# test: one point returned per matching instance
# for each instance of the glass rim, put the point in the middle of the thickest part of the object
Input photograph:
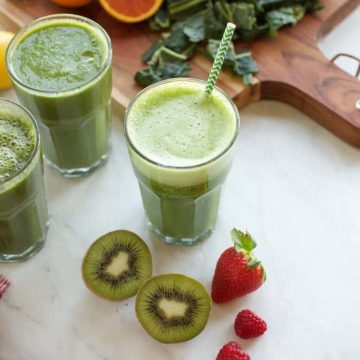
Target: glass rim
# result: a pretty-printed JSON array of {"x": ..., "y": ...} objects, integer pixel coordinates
[
  {"x": 187, "y": 167},
  {"x": 64, "y": 16},
  {"x": 37, "y": 144}
]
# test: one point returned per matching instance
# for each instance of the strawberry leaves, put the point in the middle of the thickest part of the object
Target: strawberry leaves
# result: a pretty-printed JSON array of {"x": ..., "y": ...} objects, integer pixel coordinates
[{"x": 243, "y": 241}]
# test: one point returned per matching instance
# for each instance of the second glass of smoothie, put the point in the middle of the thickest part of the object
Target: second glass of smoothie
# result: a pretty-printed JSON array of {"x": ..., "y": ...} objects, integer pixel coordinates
[
  {"x": 180, "y": 142},
  {"x": 61, "y": 69}
]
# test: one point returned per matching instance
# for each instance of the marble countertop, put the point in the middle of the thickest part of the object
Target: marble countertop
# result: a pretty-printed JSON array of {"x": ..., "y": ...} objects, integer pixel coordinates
[{"x": 293, "y": 185}]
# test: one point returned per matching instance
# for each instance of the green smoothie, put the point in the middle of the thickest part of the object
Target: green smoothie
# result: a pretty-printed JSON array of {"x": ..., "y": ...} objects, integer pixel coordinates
[
  {"x": 23, "y": 211},
  {"x": 61, "y": 68},
  {"x": 180, "y": 142}
]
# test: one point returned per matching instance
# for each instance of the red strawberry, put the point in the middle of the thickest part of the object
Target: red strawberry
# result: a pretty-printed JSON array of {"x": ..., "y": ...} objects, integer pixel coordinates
[
  {"x": 237, "y": 271},
  {"x": 249, "y": 325},
  {"x": 232, "y": 351}
]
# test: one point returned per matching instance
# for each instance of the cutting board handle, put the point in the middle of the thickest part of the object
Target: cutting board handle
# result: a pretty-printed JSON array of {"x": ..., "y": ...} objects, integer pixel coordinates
[{"x": 321, "y": 90}]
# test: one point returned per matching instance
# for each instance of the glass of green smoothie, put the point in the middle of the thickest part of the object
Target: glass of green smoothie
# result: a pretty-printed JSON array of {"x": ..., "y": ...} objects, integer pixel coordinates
[
  {"x": 181, "y": 141},
  {"x": 23, "y": 212},
  {"x": 61, "y": 68}
]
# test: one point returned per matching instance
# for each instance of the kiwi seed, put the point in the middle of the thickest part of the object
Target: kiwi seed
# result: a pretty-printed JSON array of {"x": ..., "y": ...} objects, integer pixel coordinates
[
  {"x": 116, "y": 265},
  {"x": 173, "y": 308}
]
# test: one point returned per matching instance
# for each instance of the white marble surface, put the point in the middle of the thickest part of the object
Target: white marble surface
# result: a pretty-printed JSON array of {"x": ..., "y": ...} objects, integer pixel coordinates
[{"x": 293, "y": 185}]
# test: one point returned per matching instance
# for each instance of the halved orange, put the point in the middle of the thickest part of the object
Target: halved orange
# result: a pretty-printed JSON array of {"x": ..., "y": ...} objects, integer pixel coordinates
[
  {"x": 131, "y": 11},
  {"x": 72, "y": 3}
]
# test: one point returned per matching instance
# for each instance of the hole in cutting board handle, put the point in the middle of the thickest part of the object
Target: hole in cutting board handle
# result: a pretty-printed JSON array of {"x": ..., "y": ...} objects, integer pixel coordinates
[{"x": 348, "y": 56}]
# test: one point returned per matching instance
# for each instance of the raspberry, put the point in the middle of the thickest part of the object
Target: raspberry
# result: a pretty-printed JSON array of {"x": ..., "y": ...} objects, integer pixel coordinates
[
  {"x": 232, "y": 351},
  {"x": 249, "y": 325}
]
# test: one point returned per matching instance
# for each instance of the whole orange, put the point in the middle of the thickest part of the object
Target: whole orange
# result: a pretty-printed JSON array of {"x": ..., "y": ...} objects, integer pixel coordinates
[{"x": 72, "y": 3}]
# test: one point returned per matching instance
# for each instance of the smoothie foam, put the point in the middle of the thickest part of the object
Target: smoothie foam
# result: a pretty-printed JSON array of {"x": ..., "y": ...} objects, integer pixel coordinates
[
  {"x": 179, "y": 125},
  {"x": 58, "y": 56},
  {"x": 17, "y": 144}
]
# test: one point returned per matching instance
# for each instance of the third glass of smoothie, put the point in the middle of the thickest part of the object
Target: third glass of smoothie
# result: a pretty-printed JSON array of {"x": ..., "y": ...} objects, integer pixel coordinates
[
  {"x": 180, "y": 142},
  {"x": 61, "y": 69},
  {"x": 23, "y": 212}
]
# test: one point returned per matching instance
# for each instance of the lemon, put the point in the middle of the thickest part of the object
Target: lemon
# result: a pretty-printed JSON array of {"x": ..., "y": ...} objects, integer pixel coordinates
[{"x": 5, "y": 38}]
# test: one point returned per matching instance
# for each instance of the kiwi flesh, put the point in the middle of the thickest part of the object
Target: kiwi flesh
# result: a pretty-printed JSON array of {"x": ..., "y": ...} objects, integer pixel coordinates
[
  {"x": 116, "y": 265},
  {"x": 173, "y": 308}
]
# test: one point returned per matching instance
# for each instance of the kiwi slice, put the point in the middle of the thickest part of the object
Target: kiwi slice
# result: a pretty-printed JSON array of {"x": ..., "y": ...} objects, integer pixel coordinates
[
  {"x": 116, "y": 265},
  {"x": 172, "y": 308}
]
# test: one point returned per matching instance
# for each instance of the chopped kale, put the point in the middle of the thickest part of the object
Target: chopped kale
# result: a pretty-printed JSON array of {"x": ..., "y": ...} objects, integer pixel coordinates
[{"x": 187, "y": 25}]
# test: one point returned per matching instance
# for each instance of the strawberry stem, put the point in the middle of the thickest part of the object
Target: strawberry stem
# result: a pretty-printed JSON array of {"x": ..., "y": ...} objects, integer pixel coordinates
[{"x": 244, "y": 243}]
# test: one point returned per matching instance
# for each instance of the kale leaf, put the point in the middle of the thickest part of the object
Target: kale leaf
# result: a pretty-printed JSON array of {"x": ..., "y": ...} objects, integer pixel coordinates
[
  {"x": 164, "y": 64},
  {"x": 194, "y": 27},
  {"x": 241, "y": 64},
  {"x": 283, "y": 16}
]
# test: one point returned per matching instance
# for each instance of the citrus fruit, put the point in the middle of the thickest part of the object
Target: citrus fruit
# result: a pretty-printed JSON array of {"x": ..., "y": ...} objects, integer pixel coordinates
[
  {"x": 5, "y": 38},
  {"x": 131, "y": 11},
  {"x": 72, "y": 3}
]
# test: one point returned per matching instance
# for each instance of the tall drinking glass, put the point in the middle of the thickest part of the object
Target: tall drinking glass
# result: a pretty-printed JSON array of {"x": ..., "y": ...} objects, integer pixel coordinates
[
  {"x": 181, "y": 142},
  {"x": 60, "y": 66},
  {"x": 23, "y": 212}
]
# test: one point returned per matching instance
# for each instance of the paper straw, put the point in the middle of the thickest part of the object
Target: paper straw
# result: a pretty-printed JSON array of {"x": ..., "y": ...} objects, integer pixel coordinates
[{"x": 219, "y": 58}]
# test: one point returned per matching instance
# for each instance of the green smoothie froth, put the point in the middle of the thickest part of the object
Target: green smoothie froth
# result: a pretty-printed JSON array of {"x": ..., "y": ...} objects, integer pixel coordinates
[
  {"x": 58, "y": 57},
  {"x": 17, "y": 144},
  {"x": 177, "y": 124}
]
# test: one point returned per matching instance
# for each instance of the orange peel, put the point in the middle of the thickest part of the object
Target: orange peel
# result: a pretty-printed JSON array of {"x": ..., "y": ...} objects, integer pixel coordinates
[
  {"x": 131, "y": 11},
  {"x": 72, "y": 3}
]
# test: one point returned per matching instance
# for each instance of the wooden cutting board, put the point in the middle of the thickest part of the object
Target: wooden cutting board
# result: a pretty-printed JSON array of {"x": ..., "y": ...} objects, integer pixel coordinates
[{"x": 292, "y": 68}]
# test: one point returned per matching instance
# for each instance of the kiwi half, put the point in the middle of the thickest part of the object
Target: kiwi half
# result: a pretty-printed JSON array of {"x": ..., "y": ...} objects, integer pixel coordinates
[
  {"x": 116, "y": 265},
  {"x": 172, "y": 308}
]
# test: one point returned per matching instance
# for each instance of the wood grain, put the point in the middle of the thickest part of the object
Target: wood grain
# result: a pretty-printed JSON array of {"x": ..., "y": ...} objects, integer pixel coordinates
[{"x": 292, "y": 68}]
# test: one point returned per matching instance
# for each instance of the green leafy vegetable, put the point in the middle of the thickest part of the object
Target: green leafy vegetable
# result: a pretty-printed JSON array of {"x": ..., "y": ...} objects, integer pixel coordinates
[
  {"x": 164, "y": 64},
  {"x": 194, "y": 28},
  {"x": 149, "y": 53},
  {"x": 181, "y": 9},
  {"x": 241, "y": 64},
  {"x": 160, "y": 21},
  {"x": 187, "y": 25},
  {"x": 283, "y": 16},
  {"x": 214, "y": 28}
]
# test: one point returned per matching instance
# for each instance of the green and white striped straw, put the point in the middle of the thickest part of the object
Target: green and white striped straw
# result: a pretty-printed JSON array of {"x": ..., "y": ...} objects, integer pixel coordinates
[{"x": 219, "y": 58}]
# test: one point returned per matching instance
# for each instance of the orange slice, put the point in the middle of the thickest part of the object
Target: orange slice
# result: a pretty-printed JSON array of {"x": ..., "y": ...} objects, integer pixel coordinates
[
  {"x": 72, "y": 3},
  {"x": 131, "y": 11}
]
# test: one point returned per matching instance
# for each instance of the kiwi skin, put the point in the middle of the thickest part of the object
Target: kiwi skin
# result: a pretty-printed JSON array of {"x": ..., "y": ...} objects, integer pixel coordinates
[
  {"x": 179, "y": 277},
  {"x": 146, "y": 253}
]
